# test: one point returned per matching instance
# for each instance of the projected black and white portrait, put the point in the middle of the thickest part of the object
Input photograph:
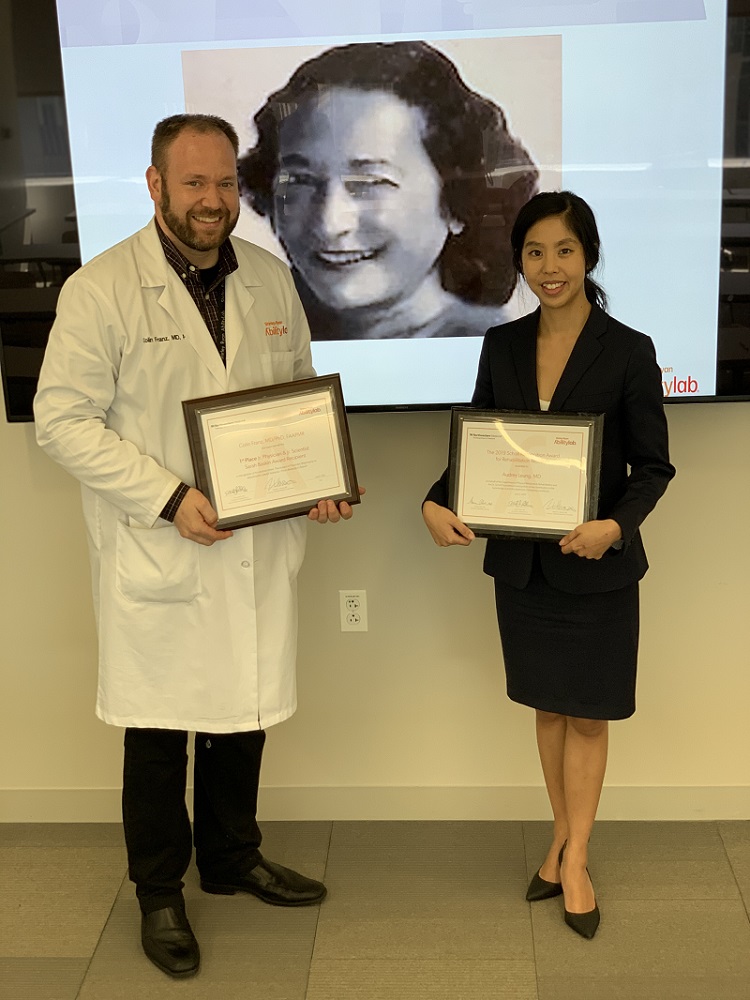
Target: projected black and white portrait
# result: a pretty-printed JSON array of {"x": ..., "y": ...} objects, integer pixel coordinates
[
  {"x": 392, "y": 187},
  {"x": 390, "y": 183}
]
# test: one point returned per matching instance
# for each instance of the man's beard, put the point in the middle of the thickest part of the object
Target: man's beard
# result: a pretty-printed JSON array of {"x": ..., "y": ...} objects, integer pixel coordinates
[{"x": 182, "y": 227}]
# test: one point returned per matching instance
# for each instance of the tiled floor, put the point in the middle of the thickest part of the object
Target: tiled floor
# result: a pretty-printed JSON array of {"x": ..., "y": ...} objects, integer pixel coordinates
[{"x": 416, "y": 911}]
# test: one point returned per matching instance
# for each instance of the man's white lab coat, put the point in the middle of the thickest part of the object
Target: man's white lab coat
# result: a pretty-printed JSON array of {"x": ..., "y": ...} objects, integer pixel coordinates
[{"x": 190, "y": 637}]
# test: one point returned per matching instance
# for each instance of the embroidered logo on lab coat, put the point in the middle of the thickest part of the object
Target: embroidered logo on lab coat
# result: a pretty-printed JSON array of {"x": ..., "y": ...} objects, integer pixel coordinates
[{"x": 275, "y": 328}]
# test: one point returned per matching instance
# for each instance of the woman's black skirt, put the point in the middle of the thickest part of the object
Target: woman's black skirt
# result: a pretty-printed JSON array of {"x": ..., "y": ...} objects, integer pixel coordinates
[{"x": 575, "y": 654}]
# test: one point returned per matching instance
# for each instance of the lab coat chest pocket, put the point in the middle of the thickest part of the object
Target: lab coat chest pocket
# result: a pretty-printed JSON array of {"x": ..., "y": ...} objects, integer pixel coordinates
[
  {"x": 276, "y": 366},
  {"x": 156, "y": 565}
]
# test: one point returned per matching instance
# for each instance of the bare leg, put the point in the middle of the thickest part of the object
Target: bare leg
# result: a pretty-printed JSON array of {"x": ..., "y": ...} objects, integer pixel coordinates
[
  {"x": 584, "y": 764},
  {"x": 550, "y": 738}
]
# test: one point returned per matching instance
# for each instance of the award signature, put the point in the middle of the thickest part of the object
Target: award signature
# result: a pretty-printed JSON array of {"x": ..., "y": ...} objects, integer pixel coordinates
[
  {"x": 277, "y": 483},
  {"x": 481, "y": 503},
  {"x": 557, "y": 508},
  {"x": 521, "y": 504}
]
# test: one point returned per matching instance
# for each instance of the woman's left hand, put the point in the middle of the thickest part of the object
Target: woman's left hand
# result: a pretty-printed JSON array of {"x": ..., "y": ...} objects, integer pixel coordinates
[{"x": 591, "y": 539}]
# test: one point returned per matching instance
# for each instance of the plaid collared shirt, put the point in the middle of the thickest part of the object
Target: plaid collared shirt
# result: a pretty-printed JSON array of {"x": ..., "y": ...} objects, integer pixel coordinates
[{"x": 210, "y": 303}]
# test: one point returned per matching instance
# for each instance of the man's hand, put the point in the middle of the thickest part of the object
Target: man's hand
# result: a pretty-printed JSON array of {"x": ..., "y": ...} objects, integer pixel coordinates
[
  {"x": 195, "y": 519},
  {"x": 445, "y": 527},
  {"x": 591, "y": 539},
  {"x": 329, "y": 510}
]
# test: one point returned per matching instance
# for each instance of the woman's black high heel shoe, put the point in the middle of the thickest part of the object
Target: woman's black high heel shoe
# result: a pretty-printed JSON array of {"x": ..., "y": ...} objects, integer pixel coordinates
[
  {"x": 585, "y": 924},
  {"x": 540, "y": 888}
]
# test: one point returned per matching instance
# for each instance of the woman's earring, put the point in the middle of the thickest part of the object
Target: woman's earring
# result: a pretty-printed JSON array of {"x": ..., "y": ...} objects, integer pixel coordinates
[{"x": 455, "y": 228}]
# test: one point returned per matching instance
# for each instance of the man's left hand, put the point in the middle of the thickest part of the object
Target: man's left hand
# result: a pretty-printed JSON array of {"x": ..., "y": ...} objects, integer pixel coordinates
[
  {"x": 591, "y": 539},
  {"x": 329, "y": 510}
]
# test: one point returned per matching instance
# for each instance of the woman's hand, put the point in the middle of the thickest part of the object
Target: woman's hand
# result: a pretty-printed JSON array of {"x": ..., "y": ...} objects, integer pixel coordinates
[
  {"x": 591, "y": 539},
  {"x": 445, "y": 527}
]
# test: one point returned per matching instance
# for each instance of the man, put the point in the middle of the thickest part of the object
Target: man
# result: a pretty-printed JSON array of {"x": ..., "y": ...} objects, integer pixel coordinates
[{"x": 197, "y": 626}]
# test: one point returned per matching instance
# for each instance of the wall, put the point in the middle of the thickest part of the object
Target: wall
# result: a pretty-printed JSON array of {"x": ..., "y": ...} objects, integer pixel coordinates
[{"x": 408, "y": 720}]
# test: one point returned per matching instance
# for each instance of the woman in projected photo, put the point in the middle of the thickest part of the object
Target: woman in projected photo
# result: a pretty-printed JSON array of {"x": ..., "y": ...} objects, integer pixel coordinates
[
  {"x": 568, "y": 611},
  {"x": 393, "y": 188}
]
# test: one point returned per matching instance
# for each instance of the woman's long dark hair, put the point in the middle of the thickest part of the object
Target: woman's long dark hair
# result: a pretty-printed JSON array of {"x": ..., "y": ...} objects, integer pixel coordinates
[
  {"x": 579, "y": 218},
  {"x": 487, "y": 174}
]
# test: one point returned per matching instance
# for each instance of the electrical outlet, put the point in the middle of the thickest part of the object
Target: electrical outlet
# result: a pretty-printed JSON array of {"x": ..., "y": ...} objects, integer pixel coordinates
[{"x": 353, "y": 610}]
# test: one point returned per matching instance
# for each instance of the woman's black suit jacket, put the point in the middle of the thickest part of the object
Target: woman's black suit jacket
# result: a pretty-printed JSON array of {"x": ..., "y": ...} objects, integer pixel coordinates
[{"x": 611, "y": 370}]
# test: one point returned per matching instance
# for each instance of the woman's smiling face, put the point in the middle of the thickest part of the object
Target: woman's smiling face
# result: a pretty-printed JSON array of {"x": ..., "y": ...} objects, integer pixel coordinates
[
  {"x": 554, "y": 263},
  {"x": 358, "y": 200}
]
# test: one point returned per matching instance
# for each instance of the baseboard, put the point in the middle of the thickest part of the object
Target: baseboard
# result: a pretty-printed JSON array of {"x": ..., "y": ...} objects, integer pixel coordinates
[
  {"x": 102, "y": 805},
  {"x": 509, "y": 802}
]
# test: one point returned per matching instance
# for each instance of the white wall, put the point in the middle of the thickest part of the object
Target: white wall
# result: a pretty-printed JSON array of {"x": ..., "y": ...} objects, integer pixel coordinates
[{"x": 410, "y": 719}]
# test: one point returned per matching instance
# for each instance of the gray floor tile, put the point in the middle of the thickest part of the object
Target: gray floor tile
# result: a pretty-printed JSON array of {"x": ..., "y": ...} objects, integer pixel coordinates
[
  {"x": 741, "y": 871},
  {"x": 247, "y": 949},
  {"x": 654, "y": 940},
  {"x": 651, "y": 860},
  {"x": 461, "y": 934},
  {"x": 415, "y": 980},
  {"x": 688, "y": 837},
  {"x": 415, "y": 910},
  {"x": 62, "y": 835},
  {"x": 399, "y": 874},
  {"x": 653, "y": 839},
  {"x": 424, "y": 903},
  {"x": 310, "y": 837},
  {"x": 736, "y": 839},
  {"x": 443, "y": 833},
  {"x": 242, "y": 923},
  {"x": 677, "y": 986},
  {"x": 735, "y": 833},
  {"x": 41, "y": 978},
  {"x": 54, "y": 902},
  {"x": 675, "y": 879},
  {"x": 224, "y": 977}
]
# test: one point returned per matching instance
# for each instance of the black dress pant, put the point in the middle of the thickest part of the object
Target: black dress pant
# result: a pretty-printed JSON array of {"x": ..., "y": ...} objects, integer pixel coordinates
[{"x": 159, "y": 840}]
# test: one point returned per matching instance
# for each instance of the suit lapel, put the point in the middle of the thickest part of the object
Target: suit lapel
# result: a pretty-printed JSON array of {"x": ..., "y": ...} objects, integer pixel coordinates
[
  {"x": 523, "y": 350},
  {"x": 587, "y": 348}
]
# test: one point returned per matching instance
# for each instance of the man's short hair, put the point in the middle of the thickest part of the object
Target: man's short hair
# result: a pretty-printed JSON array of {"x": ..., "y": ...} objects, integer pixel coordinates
[{"x": 168, "y": 129}]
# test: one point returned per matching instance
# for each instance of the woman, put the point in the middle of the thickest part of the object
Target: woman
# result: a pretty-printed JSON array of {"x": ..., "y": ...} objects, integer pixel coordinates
[
  {"x": 568, "y": 611},
  {"x": 392, "y": 187}
]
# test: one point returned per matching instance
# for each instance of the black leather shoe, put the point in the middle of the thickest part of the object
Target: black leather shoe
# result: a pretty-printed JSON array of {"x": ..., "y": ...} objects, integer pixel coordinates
[
  {"x": 169, "y": 942},
  {"x": 272, "y": 883},
  {"x": 540, "y": 888}
]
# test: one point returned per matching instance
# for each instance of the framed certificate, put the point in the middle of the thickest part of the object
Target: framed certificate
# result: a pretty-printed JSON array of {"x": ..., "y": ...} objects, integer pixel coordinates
[
  {"x": 523, "y": 474},
  {"x": 272, "y": 452}
]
